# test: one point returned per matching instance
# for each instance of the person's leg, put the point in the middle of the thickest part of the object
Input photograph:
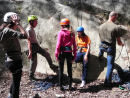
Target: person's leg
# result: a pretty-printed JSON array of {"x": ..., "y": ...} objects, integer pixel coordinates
[
  {"x": 61, "y": 69},
  {"x": 16, "y": 83},
  {"x": 120, "y": 72},
  {"x": 101, "y": 52},
  {"x": 44, "y": 53},
  {"x": 79, "y": 57},
  {"x": 84, "y": 69},
  {"x": 33, "y": 65},
  {"x": 69, "y": 68},
  {"x": 16, "y": 68},
  {"x": 110, "y": 65}
]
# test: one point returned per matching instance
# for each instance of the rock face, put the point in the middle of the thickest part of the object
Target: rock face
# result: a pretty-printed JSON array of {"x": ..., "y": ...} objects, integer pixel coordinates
[{"x": 87, "y": 13}]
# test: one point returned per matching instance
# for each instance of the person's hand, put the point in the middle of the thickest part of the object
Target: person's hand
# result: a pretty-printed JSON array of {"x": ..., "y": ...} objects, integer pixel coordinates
[
  {"x": 29, "y": 55},
  {"x": 120, "y": 44},
  {"x": 15, "y": 19},
  {"x": 85, "y": 58},
  {"x": 72, "y": 61},
  {"x": 57, "y": 59}
]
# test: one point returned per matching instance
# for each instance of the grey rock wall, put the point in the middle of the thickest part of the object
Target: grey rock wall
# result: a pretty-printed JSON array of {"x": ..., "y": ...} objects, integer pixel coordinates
[{"x": 87, "y": 13}]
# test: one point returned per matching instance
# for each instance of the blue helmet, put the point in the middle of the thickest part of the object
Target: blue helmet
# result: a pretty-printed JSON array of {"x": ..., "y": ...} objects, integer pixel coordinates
[{"x": 80, "y": 29}]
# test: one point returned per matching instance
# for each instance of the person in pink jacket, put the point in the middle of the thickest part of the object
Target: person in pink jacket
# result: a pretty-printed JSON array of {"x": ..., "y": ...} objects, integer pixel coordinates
[{"x": 64, "y": 50}]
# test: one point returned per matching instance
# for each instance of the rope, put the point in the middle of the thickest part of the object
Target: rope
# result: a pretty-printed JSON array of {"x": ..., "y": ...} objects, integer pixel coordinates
[
  {"x": 113, "y": 5},
  {"x": 77, "y": 18},
  {"x": 81, "y": 12},
  {"x": 119, "y": 54},
  {"x": 80, "y": 16},
  {"x": 128, "y": 56}
]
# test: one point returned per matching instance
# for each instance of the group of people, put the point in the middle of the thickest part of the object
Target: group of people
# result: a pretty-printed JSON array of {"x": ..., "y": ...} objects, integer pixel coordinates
[
  {"x": 68, "y": 47},
  {"x": 72, "y": 49}
]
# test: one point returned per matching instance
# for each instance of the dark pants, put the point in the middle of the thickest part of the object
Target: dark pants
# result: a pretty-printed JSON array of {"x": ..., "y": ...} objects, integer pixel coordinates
[
  {"x": 16, "y": 69},
  {"x": 80, "y": 58},
  {"x": 69, "y": 58},
  {"x": 33, "y": 62}
]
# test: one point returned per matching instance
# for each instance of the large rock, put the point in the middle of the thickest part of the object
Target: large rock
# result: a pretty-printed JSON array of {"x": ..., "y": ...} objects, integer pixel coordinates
[{"x": 88, "y": 13}]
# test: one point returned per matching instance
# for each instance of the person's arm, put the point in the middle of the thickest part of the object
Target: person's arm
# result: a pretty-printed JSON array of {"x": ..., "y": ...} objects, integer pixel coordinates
[
  {"x": 119, "y": 41},
  {"x": 57, "y": 51},
  {"x": 74, "y": 47},
  {"x": 29, "y": 46},
  {"x": 88, "y": 50},
  {"x": 121, "y": 30},
  {"x": 15, "y": 20}
]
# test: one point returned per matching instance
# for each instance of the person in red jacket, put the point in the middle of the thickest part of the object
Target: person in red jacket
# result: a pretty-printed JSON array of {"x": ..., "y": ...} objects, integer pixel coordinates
[{"x": 64, "y": 50}]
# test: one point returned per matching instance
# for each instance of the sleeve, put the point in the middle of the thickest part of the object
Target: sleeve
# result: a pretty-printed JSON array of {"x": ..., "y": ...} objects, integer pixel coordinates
[
  {"x": 10, "y": 33},
  {"x": 89, "y": 41},
  {"x": 76, "y": 39},
  {"x": 57, "y": 51},
  {"x": 121, "y": 30},
  {"x": 74, "y": 47},
  {"x": 22, "y": 36},
  {"x": 28, "y": 32}
]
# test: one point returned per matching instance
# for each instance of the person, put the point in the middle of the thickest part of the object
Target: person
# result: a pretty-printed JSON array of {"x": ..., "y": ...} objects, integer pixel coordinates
[
  {"x": 32, "y": 19},
  {"x": 109, "y": 32},
  {"x": 65, "y": 41},
  {"x": 83, "y": 44},
  {"x": 9, "y": 40}
]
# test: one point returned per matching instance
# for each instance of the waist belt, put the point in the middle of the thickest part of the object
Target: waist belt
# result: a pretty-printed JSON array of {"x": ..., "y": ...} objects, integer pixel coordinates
[
  {"x": 81, "y": 48},
  {"x": 109, "y": 44},
  {"x": 66, "y": 48},
  {"x": 105, "y": 44}
]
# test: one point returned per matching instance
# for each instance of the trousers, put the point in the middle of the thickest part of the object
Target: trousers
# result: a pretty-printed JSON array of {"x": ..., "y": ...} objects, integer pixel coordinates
[{"x": 15, "y": 68}]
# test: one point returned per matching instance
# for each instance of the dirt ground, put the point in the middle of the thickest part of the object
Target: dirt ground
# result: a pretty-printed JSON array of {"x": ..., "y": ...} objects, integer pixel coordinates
[{"x": 93, "y": 89}]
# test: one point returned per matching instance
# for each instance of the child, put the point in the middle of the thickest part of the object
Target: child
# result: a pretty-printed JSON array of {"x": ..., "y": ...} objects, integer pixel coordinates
[
  {"x": 32, "y": 19},
  {"x": 83, "y": 44},
  {"x": 65, "y": 41}
]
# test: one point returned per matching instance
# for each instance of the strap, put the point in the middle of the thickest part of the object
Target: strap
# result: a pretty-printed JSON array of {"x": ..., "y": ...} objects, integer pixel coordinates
[{"x": 66, "y": 48}]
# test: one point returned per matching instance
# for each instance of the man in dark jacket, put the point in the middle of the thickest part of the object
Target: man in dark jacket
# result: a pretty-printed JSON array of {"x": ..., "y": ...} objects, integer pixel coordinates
[{"x": 9, "y": 39}]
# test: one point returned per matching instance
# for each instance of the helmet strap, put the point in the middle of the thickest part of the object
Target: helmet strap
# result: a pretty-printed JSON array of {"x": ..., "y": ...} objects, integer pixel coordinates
[{"x": 31, "y": 23}]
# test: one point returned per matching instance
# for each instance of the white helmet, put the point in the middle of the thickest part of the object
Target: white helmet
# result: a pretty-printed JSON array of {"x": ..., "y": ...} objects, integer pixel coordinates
[{"x": 7, "y": 17}]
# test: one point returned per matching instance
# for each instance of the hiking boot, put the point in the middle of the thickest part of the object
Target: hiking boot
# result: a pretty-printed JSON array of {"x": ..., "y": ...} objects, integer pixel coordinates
[
  {"x": 62, "y": 88},
  {"x": 36, "y": 96},
  {"x": 108, "y": 85},
  {"x": 54, "y": 68},
  {"x": 82, "y": 84},
  {"x": 71, "y": 88},
  {"x": 10, "y": 95},
  {"x": 31, "y": 77}
]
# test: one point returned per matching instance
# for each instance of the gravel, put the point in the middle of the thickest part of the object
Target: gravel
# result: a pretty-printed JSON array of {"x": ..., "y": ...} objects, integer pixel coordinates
[{"x": 93, "y": 89}]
